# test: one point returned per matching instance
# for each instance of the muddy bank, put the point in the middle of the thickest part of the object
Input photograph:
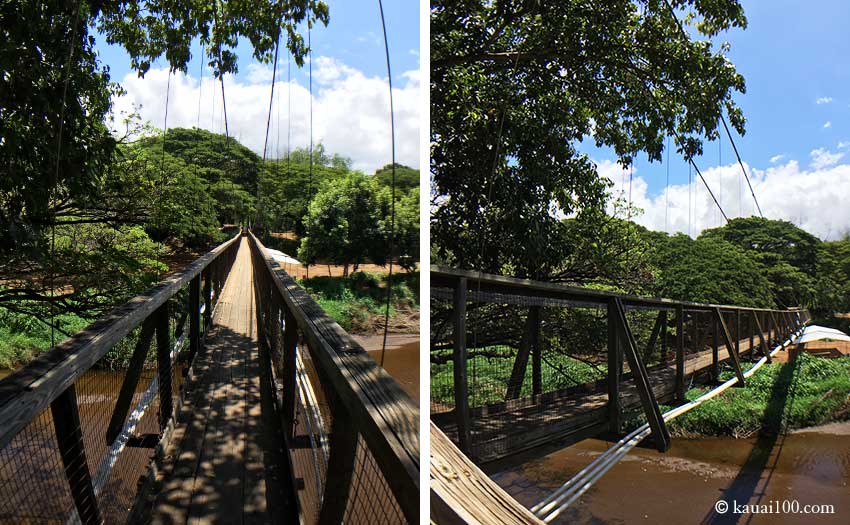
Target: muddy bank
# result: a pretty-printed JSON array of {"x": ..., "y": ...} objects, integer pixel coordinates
[{"x": 811, "y": 466}]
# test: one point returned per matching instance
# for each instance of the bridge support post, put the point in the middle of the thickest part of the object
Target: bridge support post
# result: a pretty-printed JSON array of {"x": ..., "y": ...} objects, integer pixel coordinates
[
  {"x": 613, "y": 370},
  {"x": 194, "y": 317},
  {"x": 738, "y": 331},
  {"x": 207, "y": 300},
  {"x": 750, "y": 330},
  {"x": 680, "y": 353},
  {"x": 460, "y": 376},
  {"x": 640, "y": 377},
  {"x": 715, "y": 338},
  {"x": 653, "y": 336},
  {"x": 727, "y": 339},
  {"x": 765, "y": 349},
  {"x": 69, "y": 437},
  {"x": 663, "y": 353},
  {"x": 536, "y": 357},
  {"x": 290, "y": 347},
  {"x": 343, "y": 453},
  {"x": 131, "y": 380},
  {"x": 521, "y": 361},
  {"x": 163, "y": 364}
]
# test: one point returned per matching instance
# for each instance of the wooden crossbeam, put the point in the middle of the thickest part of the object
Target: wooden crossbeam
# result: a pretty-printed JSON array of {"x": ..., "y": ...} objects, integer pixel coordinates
[
  {"x": 131, "y": 381},
  {"x": 762, "y": 342},
  {"x": 727, "y": 339},
  {"x": 641, "y": 378}
]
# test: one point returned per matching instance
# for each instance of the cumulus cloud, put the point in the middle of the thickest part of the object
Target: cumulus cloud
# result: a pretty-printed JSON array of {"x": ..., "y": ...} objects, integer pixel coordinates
[
  {"x": 350, "y": 109},
  {"x": 805, "y": 197},
  {"x": 776, "y": 158},
  {"x": 843, "y": 145},
  {"x": 823, "y": 100},
  {"x": 827, "y": 125},
  {"x": 822, "y": 158}
]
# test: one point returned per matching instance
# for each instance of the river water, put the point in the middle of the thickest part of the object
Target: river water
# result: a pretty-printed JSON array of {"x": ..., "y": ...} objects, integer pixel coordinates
[{"x": 811, "y": 467}]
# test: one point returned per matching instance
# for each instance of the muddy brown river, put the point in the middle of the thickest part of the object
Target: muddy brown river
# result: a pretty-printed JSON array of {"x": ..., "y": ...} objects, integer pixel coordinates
[{"x": 682, "y": 486}]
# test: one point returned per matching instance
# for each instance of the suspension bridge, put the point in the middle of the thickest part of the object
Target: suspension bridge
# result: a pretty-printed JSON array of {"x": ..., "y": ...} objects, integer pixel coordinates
[
  {"x": 490, "y": 332},
  {"x": 258, "y": 408}
]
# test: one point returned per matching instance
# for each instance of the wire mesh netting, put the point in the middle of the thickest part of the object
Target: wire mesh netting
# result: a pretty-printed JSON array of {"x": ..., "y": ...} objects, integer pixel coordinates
[
  {"x": 51, "y": 467},
  {"x": 370, "y": 498}
]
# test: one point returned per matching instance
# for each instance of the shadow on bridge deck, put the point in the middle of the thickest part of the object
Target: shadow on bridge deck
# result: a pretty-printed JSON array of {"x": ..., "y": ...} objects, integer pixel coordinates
[{"x": 225, "y": 462}]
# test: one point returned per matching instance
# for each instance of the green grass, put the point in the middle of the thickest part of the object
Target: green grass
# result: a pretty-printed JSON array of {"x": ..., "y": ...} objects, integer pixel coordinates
[
  {"x": 23, "y": 337},
  {"x": 779, "y": 397},
  {"x": 357, "y": 302},
  {"x": 489, "y": 376}
]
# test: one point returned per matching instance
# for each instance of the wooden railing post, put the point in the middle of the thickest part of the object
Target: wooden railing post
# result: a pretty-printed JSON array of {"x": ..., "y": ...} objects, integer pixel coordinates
[
  {"x": 536, "y": 357},
  {"x": 208, "y": 278},
  {"x": 613, "y": 370},
  {"x": 194, "y": 317},
  {"x": 460, "y": 377},
  {"x": 715, "y": 339},
  {"x": 680, "y": 353},
  {"x": 69, "y": 437},
  {"x": 738, "y": 331},
  {"x": 131, "y": 380},
  {"x": 289, "y": 352},
  {"x": 663, "y": 354},
  {"x": 343, "y": 448},
  {"x": 163, "y": 362},
  {"x": 751, "y": 331},
  {"x": 727, "y": 339}
]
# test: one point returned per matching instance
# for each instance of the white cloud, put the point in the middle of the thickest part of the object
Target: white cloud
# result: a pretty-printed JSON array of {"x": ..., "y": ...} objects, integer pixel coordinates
[
  {"x": 805, "y": 197},
  {"x": 776, "y": 158},
  {"x": 827, "y": 125},
  {"x": 823, "y": 100},
  {"x": 842, "y": 145},
  {"x": 822, "y": 158},
  {"x": 350, "y": 110}
]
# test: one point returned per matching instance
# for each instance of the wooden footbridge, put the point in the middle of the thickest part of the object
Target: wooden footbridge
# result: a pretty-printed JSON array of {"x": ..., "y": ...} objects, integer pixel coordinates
[
  {"x": 489, "y": 332},
  {"x": 241, "y": 401}
]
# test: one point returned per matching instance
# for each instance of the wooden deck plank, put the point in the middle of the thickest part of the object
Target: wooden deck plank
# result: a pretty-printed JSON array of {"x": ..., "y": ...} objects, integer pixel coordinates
[{"x": 216, "y": 469}]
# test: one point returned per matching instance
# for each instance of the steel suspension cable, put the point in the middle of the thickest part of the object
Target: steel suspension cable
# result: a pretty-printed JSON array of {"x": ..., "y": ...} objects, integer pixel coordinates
[
  {"x": 268, "y": 124},
  {"x": 667, "y": 188},
  {"x": 741, "y": 163},
  {"x": 310, "y": 184},
  {"x": 392, "y": 202}
]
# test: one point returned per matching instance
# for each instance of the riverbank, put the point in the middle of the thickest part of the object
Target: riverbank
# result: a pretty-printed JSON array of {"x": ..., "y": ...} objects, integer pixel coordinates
[{"x": 780, "y": 397}]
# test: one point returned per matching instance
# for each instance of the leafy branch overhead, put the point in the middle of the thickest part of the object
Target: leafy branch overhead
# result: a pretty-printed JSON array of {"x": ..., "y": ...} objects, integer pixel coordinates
[{"x": 516, "y": 86}]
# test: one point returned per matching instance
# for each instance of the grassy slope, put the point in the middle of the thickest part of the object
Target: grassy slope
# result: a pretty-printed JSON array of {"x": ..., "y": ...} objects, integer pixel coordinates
[
  {"x": 357, "y": 302},
  {"x": 779, "y": 397}
]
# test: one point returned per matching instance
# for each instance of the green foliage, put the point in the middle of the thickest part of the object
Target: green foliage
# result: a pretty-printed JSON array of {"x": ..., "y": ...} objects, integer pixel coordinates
[
  {"x": 357, "y": 302},
  {"x": 344, "y": 223},
  {"x": 406, "y": 179},
  {"x": 515, "y": 89},
  {"x": 286, "y": 189},
  {"x": 23, "y": 336},
  {"x": 787, "y": 255},
  {"x": 779, "y": 397},
  {"x": 708, "y": 270},
  {"x": 406, "y": 228}
]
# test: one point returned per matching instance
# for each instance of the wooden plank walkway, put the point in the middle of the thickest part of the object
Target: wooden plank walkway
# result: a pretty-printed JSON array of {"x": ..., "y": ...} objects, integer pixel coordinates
[
  {"x": 224, "y": 461},
  {"x": 524, "y": 424}
]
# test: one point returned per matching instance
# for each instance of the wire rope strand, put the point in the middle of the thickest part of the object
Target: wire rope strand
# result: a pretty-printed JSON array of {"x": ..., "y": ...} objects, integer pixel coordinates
[{"x": 392, "y": 202}]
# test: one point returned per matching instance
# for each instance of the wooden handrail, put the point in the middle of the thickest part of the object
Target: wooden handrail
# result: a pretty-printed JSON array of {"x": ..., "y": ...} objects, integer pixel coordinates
[
  {"x": 461, "y": 494},
  {"x": 376, "y": 406},
  {"x": 447, "y": 277},
  {"x": 31, "y": 389}
]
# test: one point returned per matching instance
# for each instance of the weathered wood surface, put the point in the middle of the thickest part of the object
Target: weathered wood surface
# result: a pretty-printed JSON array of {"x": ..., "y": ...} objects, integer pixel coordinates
[
  {"x": 28, "y": 391},
  {"x": 215, "y": 468},
  {"x": 462, "y": 494}
]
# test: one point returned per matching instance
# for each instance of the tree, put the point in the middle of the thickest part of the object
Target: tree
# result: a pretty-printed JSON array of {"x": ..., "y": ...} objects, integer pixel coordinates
[
  {"x": 344, "y": 224},
  {"x": 515, "y": 86},
  {"x": 53, "y": 80},
  {"x": 286, "y": 189},
  {"x": 406, "y": 227},
  {"x": 788, "y": 255},
  {"x": 709, "y": 270},
  {"x": 406, "y": 178}
]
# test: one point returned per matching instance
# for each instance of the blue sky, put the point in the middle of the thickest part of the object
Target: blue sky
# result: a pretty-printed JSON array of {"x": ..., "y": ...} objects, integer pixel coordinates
[
  {"x": 795, "y": 57},
  {"x": 350, "y": 94}
]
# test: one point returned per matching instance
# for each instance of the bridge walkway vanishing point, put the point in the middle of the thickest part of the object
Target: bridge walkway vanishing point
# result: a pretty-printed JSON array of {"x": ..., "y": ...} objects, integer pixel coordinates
[
  {"x": 222, "y": 395},
  {"x": 222, "y": 465}
]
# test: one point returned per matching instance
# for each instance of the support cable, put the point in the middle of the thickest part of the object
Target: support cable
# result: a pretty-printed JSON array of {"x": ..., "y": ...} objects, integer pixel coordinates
[
  {"x": 741, "y": 163},
  {"x": 55, "y": 180},
  {"x": 392, "y": 202}
]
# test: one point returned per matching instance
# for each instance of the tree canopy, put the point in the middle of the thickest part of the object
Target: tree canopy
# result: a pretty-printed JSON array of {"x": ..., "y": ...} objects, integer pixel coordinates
[{"x": 515, "y": 86}]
